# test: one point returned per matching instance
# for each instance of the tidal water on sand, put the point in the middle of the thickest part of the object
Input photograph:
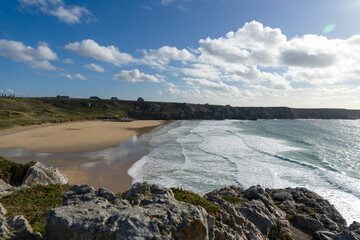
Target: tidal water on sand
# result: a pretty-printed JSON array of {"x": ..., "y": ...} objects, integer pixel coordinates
[{"x": 322, "y": 155}]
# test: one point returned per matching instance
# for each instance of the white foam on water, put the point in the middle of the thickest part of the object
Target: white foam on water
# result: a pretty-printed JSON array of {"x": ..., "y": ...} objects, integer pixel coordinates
[
  {"x": 136, "y": 170},
  {"x": 205, "y": 155}
]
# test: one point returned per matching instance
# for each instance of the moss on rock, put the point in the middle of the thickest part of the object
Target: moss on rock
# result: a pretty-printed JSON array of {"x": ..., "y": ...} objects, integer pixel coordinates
[
  {"x": 13, "y": 173},
  {"x": 195, "y": 199},
  {"x": 34, "y": 203}
]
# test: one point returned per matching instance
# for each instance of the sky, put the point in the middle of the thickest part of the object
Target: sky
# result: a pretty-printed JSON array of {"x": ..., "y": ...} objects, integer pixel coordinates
[{"x": 295, "y": 53}]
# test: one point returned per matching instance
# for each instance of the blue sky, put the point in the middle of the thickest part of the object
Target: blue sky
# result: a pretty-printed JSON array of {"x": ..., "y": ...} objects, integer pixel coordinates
[{"x": 239, "y": 52}]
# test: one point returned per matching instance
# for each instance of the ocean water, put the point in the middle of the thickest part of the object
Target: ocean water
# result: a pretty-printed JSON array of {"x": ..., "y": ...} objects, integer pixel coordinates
[{"x": 321, "y": 155}]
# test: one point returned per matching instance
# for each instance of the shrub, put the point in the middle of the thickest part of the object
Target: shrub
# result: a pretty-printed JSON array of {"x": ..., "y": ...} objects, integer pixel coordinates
[
  {"x": 195, "y": 199},
  {"x": 34, "y": 203}
]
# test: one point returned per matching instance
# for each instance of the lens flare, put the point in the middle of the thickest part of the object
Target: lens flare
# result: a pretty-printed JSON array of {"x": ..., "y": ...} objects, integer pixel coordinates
[{"x": 329, "y": 28}]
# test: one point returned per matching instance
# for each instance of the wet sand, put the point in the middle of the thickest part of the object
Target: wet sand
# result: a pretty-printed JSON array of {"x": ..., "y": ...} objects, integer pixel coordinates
[{"x": 95, "y": 153}]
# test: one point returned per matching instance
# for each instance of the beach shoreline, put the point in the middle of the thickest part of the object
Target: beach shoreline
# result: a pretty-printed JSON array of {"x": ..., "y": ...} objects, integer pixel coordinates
[{"x": 83, "y": 137}]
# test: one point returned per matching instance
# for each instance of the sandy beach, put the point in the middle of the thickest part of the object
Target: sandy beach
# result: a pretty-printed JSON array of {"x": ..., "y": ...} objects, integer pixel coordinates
[
  {"x": 79, "y": 137},
  {"x": 76, "y": 137}
]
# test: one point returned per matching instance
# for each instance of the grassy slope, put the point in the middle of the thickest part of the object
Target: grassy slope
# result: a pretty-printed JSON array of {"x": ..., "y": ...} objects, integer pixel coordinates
[
  {"x": 29, "y": 111},
  {"x": 34, "y": 203}
]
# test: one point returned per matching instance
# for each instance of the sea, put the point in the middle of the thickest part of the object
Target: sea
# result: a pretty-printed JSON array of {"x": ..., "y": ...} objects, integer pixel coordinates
[{"x": 321, "y": 155}]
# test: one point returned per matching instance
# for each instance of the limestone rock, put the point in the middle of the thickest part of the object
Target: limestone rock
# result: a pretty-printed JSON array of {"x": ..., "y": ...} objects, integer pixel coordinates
[
  {"x": 152, "y": 212},
  {"x": 5, "y": 189},
  {"x": 2, "y": 212},
  {"x": 17, "y": 228},
  {"x": 43, "y": 175},
  {"x": 155, "y": 214}
]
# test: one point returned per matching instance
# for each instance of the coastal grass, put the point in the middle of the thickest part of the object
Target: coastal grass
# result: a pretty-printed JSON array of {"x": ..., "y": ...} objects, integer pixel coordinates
[
  {"x": 34, "y": 203},
  {"x": 277, "y": 232},
  {"x": 232, "y": 199},
  {"x": 16, "y": 112},
  {"x": 195, "y": 199},
  {"x": 13, "y": 173}
]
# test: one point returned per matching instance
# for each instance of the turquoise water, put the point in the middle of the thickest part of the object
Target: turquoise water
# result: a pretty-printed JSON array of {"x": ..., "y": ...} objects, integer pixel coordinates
[{"x": 322, "y": 155}]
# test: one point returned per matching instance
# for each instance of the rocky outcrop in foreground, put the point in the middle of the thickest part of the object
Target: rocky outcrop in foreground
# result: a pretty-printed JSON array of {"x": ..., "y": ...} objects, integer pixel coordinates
[
  {"x": 152, "y": 212},
  {"x": 43, "y": 175},
  {"x": 18, "y": 227}
]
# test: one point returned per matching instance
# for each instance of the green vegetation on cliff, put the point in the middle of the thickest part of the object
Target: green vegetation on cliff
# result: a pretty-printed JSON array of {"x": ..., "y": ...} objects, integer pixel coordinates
[
  {"x": 34, "y": 203},
  {"x": 13, "y": 173},
  {"x": 195, "y": 199},
  {"x": 30, "y": 111},
  {"x": 33, "y": 111}
]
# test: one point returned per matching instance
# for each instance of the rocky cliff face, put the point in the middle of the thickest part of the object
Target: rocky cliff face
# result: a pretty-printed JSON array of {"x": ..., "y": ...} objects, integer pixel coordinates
[
  {"x": 151, "y": 212},
  {"x": 185, "y": 111}
]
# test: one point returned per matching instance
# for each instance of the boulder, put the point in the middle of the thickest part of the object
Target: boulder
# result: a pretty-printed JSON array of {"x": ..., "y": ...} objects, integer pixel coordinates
[
  {"x": 143, "y": 212},
  {"x": 5, "y": 189},
  {"x": 17, "y": 228},
  {"x": 43, "y": 175}
]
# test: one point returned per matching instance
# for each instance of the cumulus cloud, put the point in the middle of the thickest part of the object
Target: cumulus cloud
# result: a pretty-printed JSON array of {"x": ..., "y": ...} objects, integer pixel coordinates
[
  {"x": 158, "y": 58},
  {"x": 79, "y": 76},
  {"x": 257, "y": 62},
  {"x": 217, "y": 86},
  {"x": 94, "y": 67},
  {"x": 69, "y": 14},
  {"x": 110, "y": 54},
  {"x": 136, "y": 76},
  {"x": 69, "y": 76},
  {"x": 66, "y": 75},
  {"x": 35, "y": 57}
]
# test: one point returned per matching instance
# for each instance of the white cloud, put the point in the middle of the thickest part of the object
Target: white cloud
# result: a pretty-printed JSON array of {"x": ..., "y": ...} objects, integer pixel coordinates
[
  {"x": 69, "y": 14},
  {"x": 94, "y": 67},
  {"x": 69, "y": 76},
  {"x": 258, "y": 65},
  {"x": 36, "y": 58},
  {"x": 173, "y": 53},
  {"x": 110, "y": 54},
  {"x": 10, "y": 91},
  {"x": 166, "y": 2},
  {"x": 217, "y": 86},
  {"x": 147, "y": 7},
  {"x": 202, "y": 71},
  {"x": 136, "y": 76},
  {"x": 68, "y": 61},
  {"x": 163, "y": 56},
  {"x": 66, "y": 75},
  {"x": 79, "y": 76}
]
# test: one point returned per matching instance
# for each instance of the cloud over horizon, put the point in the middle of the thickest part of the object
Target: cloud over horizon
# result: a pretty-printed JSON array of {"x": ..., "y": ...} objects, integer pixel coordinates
[
  {"x": 136, "y": 76},
  {"x": 109, "y": 54},
  {"x": 254, "y": 64},
  {"x": 35, "y": 58}
]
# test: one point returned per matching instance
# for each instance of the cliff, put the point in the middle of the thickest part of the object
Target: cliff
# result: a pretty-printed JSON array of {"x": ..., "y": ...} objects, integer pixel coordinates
[{"x": 28, "y": 111}]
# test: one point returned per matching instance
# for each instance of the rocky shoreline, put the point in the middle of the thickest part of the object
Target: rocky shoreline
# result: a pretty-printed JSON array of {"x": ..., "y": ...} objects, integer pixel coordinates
[{"x": 153, "y": 212}]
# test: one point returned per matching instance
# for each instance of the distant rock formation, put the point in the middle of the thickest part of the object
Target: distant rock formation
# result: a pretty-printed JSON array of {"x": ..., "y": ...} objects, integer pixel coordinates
[
  {"x": 152, "y": 212},
  {"x": 142, "y": 110}
]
